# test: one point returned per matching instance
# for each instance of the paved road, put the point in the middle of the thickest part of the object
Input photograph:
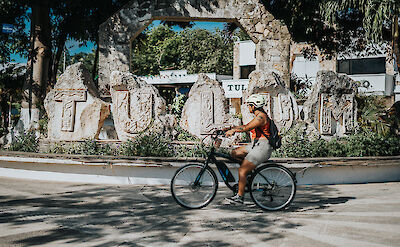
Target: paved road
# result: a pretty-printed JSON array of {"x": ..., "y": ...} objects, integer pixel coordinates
[{"x": 36, "y": 213}]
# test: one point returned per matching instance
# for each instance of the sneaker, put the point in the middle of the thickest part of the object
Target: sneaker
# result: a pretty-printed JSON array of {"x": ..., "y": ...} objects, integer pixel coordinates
[{"x": 236, "y": 199}]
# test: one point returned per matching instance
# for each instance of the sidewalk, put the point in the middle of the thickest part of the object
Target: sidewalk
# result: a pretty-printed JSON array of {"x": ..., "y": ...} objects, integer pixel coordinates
[{"x": 36, "y": 213}]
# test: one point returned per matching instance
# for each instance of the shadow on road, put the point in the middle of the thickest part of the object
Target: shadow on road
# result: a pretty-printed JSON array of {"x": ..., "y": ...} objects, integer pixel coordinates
[{"x": 143, "y": 216}]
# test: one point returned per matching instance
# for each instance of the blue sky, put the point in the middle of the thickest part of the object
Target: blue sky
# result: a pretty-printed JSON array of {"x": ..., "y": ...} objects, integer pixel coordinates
[{"x": 74, "y": 46}]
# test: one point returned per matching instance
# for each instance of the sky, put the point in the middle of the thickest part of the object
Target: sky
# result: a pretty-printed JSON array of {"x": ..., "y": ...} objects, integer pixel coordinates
[{"x": 75, "y": 47}]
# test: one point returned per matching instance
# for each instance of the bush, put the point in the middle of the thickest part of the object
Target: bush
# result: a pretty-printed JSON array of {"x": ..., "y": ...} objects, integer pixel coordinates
[
  {"x": 183, "y": 135},
  {"x": 356, "y": 145},
  {"x": 87, "y": 147},
  {"x": 199, "y": 150},
  {"x": 26, "y": 142},
  {"x": 153, "y": 145}
]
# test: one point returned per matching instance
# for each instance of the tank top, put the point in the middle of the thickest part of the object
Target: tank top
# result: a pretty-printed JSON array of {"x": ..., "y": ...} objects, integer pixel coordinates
[{"x": 256, "y": 132}]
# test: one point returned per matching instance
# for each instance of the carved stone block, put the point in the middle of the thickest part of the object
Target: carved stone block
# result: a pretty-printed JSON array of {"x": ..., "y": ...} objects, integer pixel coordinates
[
  {"x": 74, "y": 108},
  {"x": 331, "y": 106},
  {"x": 206, "y": 108},
  {"x": 137, "y": 107}
]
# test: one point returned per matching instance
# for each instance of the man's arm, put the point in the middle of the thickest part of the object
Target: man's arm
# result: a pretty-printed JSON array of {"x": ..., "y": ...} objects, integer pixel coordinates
[{"x": 259, "y": 120}]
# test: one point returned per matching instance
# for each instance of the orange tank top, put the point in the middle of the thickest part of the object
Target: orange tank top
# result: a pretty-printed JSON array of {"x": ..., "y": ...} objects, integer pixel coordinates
[{"x": 256, "y": 133}]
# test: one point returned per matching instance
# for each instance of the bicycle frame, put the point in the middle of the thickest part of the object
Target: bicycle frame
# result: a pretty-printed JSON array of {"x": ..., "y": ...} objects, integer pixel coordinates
[{"x": 211, "y": 157}]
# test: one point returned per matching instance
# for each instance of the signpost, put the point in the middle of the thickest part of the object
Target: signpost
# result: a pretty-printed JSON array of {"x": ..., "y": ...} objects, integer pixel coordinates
[
  {"x": 7, "y": 28},
  {"x": 234, "y": 88}
]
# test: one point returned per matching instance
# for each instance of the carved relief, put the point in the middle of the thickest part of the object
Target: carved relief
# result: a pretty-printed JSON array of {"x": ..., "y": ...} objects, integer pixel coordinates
[
  {"x": 207, "y": 109},
  {"x": 325, "y": 116},
  {"x": 348, "y": 113},
  {"x": 268, "y": 103},
  {"x": 69, "y": 97},
  {"x": 135, "y": 110},
  {"x": 285, "y": 107},
  {"x": 330, "y": 108}
]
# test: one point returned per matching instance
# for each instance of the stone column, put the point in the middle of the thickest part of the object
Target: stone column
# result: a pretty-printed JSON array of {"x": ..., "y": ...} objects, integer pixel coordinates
[
  {"x": 115, "y": 38},
  {"x": 273, "y": 56}
]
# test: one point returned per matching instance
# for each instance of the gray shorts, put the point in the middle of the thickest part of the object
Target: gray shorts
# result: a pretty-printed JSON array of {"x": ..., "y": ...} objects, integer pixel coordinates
[{"x": 258, "y": 151}]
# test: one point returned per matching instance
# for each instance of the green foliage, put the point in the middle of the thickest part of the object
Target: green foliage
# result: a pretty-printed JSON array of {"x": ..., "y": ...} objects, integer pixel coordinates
[
  {"x": 197, "y": 50},
  {"x": 199, "y": 150},
  {"x": 12, "y": 12},
  {"x": 43, "y": 122},
  {"x": 25, "y": 142},
  {"x": 374, "y": 16},
  {"x": 300, "y": 86},
  {"x": 372, "y": 112},
  {"x": 177, "y": 105},
  {"x": 183, "y": 135},
  {"x": 87, "y": 147},
  {"x": 153, "y": 145},
  {"x": 357, "y": 145},
  {"x": 87, "y": 59}
]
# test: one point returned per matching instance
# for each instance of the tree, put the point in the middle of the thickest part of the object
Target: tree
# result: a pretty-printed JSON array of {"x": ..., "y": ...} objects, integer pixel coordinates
[
  {"x": 340, "y": 25},
  {"x": 12, "y": 77},
  {"x": 52, "y": 23},
  {"x": 197, "y": 50},
  {"x": 17, "y": 41},
  {"x": 378, "y": 19}
]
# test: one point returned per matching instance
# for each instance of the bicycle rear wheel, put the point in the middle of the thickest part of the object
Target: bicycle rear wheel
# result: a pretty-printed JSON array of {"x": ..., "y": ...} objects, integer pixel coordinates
[
  {"x": 272, "y": 187},
  {"x": 192, "y": 196}
]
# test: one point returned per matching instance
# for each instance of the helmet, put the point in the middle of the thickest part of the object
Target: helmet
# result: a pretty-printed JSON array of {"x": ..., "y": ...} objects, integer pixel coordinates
[{"x": 257, "y": 100}]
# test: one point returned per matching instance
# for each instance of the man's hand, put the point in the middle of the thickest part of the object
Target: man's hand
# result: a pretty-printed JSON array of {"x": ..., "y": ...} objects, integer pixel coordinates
[
  {"x": 230, "y": 133},
  {"x": 226, "y": 128}
]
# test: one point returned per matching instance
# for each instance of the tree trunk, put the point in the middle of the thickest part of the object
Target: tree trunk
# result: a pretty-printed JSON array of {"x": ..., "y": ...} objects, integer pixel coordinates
[
  {"x": 96, "y": 60},
  {"x": 56, "y": 60},
  {"x": 38, "y": 61},
  {"x": 395, "y": 41}
]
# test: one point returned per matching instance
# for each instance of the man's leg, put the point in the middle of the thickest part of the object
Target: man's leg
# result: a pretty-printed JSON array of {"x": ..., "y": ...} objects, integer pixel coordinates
[
  {"x": 239, "y": 153},
  {"x": 244, "y": 169}
]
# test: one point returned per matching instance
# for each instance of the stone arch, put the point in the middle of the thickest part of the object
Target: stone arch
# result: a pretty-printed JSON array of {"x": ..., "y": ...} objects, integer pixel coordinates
[{"x": 270, "y": 35}]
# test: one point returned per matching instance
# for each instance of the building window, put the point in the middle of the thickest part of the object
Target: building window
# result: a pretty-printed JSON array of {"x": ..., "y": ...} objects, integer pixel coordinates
[
  {"x": 246, "y": 70},
  {"x": 362, "y": 66}
]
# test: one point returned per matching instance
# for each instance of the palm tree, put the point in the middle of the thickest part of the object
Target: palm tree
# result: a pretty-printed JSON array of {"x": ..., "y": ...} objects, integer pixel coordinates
[{"x": 377, "y": 16}]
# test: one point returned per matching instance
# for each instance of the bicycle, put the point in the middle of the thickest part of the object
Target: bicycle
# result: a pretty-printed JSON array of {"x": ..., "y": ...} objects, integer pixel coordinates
[{"x": 271, "y": 186}]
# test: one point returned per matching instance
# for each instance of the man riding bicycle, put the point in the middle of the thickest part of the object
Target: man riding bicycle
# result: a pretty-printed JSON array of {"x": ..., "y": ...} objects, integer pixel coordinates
[{"x": 258, "y": 151}]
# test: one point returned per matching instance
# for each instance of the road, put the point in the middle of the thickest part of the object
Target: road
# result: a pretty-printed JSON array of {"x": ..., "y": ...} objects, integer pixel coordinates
[{"x": 34, "y": 213}]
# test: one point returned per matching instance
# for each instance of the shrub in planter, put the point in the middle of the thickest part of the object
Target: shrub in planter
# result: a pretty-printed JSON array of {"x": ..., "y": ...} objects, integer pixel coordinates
[
  {"x": 372, "y": 144},
  {"x": 190, "y": 150},
  {"x": 183, "y": 135},
  {"x": 87, "y": 147},
  {"x": 25, "y": 142},
  {"x": 151, "y": 145}
]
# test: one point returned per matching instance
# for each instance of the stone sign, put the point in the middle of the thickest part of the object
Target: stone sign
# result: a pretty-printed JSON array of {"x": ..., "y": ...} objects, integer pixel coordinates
[
  {"x": 69, "y": 98},
  {"x": 138, "y": 107},
  {"x": 74, "y": 107},
  {"x": 280, "y": 104},
  {"x": 206, "y": 108},
  {"x": 331, "y": 107}
]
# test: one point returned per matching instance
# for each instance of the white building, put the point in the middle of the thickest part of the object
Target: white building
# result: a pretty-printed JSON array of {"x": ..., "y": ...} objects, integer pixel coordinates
[{"x": 372, "y": 71}]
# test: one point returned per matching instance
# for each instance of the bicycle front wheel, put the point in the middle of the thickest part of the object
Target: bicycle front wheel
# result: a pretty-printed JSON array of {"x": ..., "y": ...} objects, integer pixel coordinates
[
  {"x": 272, "y": 187},
  {"x": 193, "y": 195}
]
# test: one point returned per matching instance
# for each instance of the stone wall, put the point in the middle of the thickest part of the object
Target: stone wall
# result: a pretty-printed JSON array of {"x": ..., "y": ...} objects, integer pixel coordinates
[{"x": 115, "y": 35}]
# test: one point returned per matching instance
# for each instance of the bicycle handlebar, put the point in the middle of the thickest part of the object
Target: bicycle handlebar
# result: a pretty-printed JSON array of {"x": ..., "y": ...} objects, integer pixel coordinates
[{"x": 214, "y": 134}]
